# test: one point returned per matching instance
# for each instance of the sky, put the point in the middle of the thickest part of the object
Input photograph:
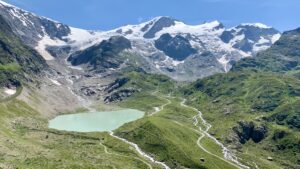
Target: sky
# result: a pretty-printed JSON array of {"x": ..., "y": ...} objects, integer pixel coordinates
[{"x": 109, "y": 14}]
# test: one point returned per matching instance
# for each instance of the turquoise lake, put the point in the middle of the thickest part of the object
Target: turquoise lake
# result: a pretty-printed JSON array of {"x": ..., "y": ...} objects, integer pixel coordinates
[{"x": 95, "y": 121}]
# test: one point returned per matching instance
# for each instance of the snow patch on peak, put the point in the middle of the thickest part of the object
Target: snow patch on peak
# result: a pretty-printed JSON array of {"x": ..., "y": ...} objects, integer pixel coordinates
[
  {"x": 81, "y": 39},
  {"x": 6, "y": 4},
  {"x": 212, "y": 25},
  {"x": 275, "y": 38},
  {"x": 258, "y": 25},
  {"x": 182, "y": 28}
]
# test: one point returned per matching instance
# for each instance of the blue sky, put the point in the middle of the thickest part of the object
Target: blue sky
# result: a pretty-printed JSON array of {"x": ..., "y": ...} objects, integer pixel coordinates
[{"x": 108, "y": 14}]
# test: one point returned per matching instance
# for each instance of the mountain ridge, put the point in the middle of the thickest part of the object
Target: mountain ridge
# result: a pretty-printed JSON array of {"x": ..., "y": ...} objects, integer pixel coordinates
[{"x": 204, "y": 42}]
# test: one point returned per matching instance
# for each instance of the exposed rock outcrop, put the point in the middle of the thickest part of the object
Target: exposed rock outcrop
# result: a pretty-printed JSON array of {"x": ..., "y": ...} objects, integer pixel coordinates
[
  {"x": 157, "y": 26},
  {"x": 116, "y": 84},
  {"x": 102, "y": 56},
  {"x": 178, "y": 47},
  {"x": 120, "y": 95},
  {"x": 249, "y": 130}
]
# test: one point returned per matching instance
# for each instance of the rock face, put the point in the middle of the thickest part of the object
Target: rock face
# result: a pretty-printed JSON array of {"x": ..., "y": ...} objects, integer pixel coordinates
[
  {"x": 116, "y": 91},
  {"x": 102, "y": 56},
  {"x": 116, "y": 85},
  {"x": 120, "y": 95},
  {"x": 250, "y": 38},
  {"x": 259, "y": 133},
  {"x": 283, "y": 56},
  {"x": 157, "y": 26},
  {"x": 248, "y": 130},
  {"x": 178, "y": 47},
  {"x": 30, "y": 27},
  {"x": 17, "y": 61}
]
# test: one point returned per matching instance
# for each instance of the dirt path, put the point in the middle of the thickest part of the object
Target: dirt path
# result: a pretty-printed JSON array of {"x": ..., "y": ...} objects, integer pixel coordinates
[
  {"x": 138, "y": 149},
  {"x": 120, "y": 155},
  {"x": 160, "y": 108},
  {"x": 229, "y": 157}
]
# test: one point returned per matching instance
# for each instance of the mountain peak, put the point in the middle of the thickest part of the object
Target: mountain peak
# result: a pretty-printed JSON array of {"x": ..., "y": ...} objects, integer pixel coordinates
[
  {"x": 251, "y": 37},
  {"x": 164, "y": 18},
  {"x": 214, "y": 24},
  {"x": 156, "y": 25}
]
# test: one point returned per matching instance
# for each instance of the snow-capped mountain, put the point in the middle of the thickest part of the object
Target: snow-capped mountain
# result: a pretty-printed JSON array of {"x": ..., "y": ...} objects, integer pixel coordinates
[
  {"x": 43, "y": 33},
  {"x": 251, "y": 38},
  {"x": 162, "y": 45}
]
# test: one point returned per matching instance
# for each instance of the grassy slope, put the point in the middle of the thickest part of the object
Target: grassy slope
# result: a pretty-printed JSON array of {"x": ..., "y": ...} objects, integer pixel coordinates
[
  {"x": 258, "y": 97},
  {"x": 170, "y": 134},
  {"x": 26, "y": 142}
]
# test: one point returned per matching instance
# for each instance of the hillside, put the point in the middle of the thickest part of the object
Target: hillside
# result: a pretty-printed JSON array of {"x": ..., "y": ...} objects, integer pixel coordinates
[
  {"x": 18, "y": 62},
  {"x": 258, "y": 111},
  {"x": 282, "y": 57}
]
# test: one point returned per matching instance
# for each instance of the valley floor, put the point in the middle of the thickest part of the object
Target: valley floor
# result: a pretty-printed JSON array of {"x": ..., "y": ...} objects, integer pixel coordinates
[{"x": 172, "y": 135}]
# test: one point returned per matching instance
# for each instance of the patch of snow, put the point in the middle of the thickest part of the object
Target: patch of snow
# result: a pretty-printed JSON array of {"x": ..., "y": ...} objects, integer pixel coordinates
[
  {"x": 47, "y": 41},
  {"x": 75, "y": 67},
  {"x": 223, "y": 61},
  {"x": 15, "y": 14},
  {"x": 6, "y": 4},
  {"x": 237, "y": 39},
  {"x": 258, "y": 25},
  {"x": 15, "y": 8},
  {"x": 262, "y": 44},
  {"x": 157, "y": 65},
  {"x": 182, "y": 28},
  {"x": 275, "y": 38},
  {"x": 221, "y": 47},
  {"x": 10, "y": 92},
  {"x": 55, "y": 82},
  {"x": 137, "y": 32},
  {"x": 171, "y": 61},
  {"x": 81, "y": 39},
  {"x": 250, "y": 41},
  {"x": 263, "y": 40},
  {"x": 176, "y": 62},
  {"x": 257, "y": 48},
  {"x": 78, "y": 35}
]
